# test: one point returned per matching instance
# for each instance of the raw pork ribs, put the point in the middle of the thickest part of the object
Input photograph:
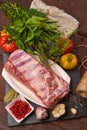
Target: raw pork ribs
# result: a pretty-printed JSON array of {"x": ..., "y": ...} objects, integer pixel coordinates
[{"x": 42, "y": 81}]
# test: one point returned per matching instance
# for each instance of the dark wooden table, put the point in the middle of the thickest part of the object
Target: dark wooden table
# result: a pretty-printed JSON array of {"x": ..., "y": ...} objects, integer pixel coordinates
[{"x": 78, "y": 9}]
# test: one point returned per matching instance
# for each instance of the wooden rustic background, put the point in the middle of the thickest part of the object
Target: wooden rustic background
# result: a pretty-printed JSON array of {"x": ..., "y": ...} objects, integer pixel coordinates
[{"x": 78, "y": 9}]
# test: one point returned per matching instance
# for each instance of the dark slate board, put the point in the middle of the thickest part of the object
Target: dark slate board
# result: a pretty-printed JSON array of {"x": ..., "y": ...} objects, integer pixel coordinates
[{"x": 71, "y": 100}]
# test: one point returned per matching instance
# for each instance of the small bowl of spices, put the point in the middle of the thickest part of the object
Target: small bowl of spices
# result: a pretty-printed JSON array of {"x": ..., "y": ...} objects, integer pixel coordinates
[{"x": 19, "y": 108}]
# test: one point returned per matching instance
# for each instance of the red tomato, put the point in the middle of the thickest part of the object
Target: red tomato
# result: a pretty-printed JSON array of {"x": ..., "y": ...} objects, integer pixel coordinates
[
  {"x": 70, "y": 46},
  {"x": 3, "y": 39},
  {"x": 6, "y": 44},
  {"x": 67, "y": 44},
  {"x": 9, "y": 47}
]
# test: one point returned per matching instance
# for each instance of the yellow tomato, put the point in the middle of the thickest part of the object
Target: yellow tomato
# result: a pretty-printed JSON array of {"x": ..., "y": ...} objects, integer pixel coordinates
[
  {"x": 68, "y": 61},
  {"x": 4, "y": 32}
]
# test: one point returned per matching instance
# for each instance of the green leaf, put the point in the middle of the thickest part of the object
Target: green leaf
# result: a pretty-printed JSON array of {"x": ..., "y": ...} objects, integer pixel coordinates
[
  {"x": 37, "y": 33},
  {"x": 75, "y": 31},
  {"x": 19, "y": 22},
  {"x": 29, "y": 37},
  {"x": 19, "y": 44}
]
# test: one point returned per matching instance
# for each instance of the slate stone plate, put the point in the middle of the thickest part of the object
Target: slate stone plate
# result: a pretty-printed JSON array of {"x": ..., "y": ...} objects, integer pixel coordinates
[{"x": 71, "y": 100}]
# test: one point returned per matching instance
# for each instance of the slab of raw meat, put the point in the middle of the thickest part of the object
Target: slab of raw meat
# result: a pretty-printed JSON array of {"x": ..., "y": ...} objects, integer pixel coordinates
[{"x": 42, "y": 81}]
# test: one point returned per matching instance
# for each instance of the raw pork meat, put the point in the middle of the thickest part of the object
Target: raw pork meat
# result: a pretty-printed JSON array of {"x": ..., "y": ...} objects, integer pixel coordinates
[{"x": 42, "y": 81}]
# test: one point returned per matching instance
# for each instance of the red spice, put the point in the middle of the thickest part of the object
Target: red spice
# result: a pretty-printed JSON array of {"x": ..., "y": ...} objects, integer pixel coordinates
[{"x": 20, "y": 108}]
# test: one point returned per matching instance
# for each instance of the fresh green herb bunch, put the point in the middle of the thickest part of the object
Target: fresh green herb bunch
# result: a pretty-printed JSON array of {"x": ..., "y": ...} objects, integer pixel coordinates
[
  {"x": 15, "y": 11},
  {"x": 33, "y": 31}
]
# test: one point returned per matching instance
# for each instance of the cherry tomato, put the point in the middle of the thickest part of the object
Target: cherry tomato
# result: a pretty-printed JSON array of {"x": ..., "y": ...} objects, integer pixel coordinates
[{"x": 6, "y": 44}]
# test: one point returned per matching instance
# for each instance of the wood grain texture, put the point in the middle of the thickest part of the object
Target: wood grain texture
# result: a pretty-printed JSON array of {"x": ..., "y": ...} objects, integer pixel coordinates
[{"x": 78, "y": 9}]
